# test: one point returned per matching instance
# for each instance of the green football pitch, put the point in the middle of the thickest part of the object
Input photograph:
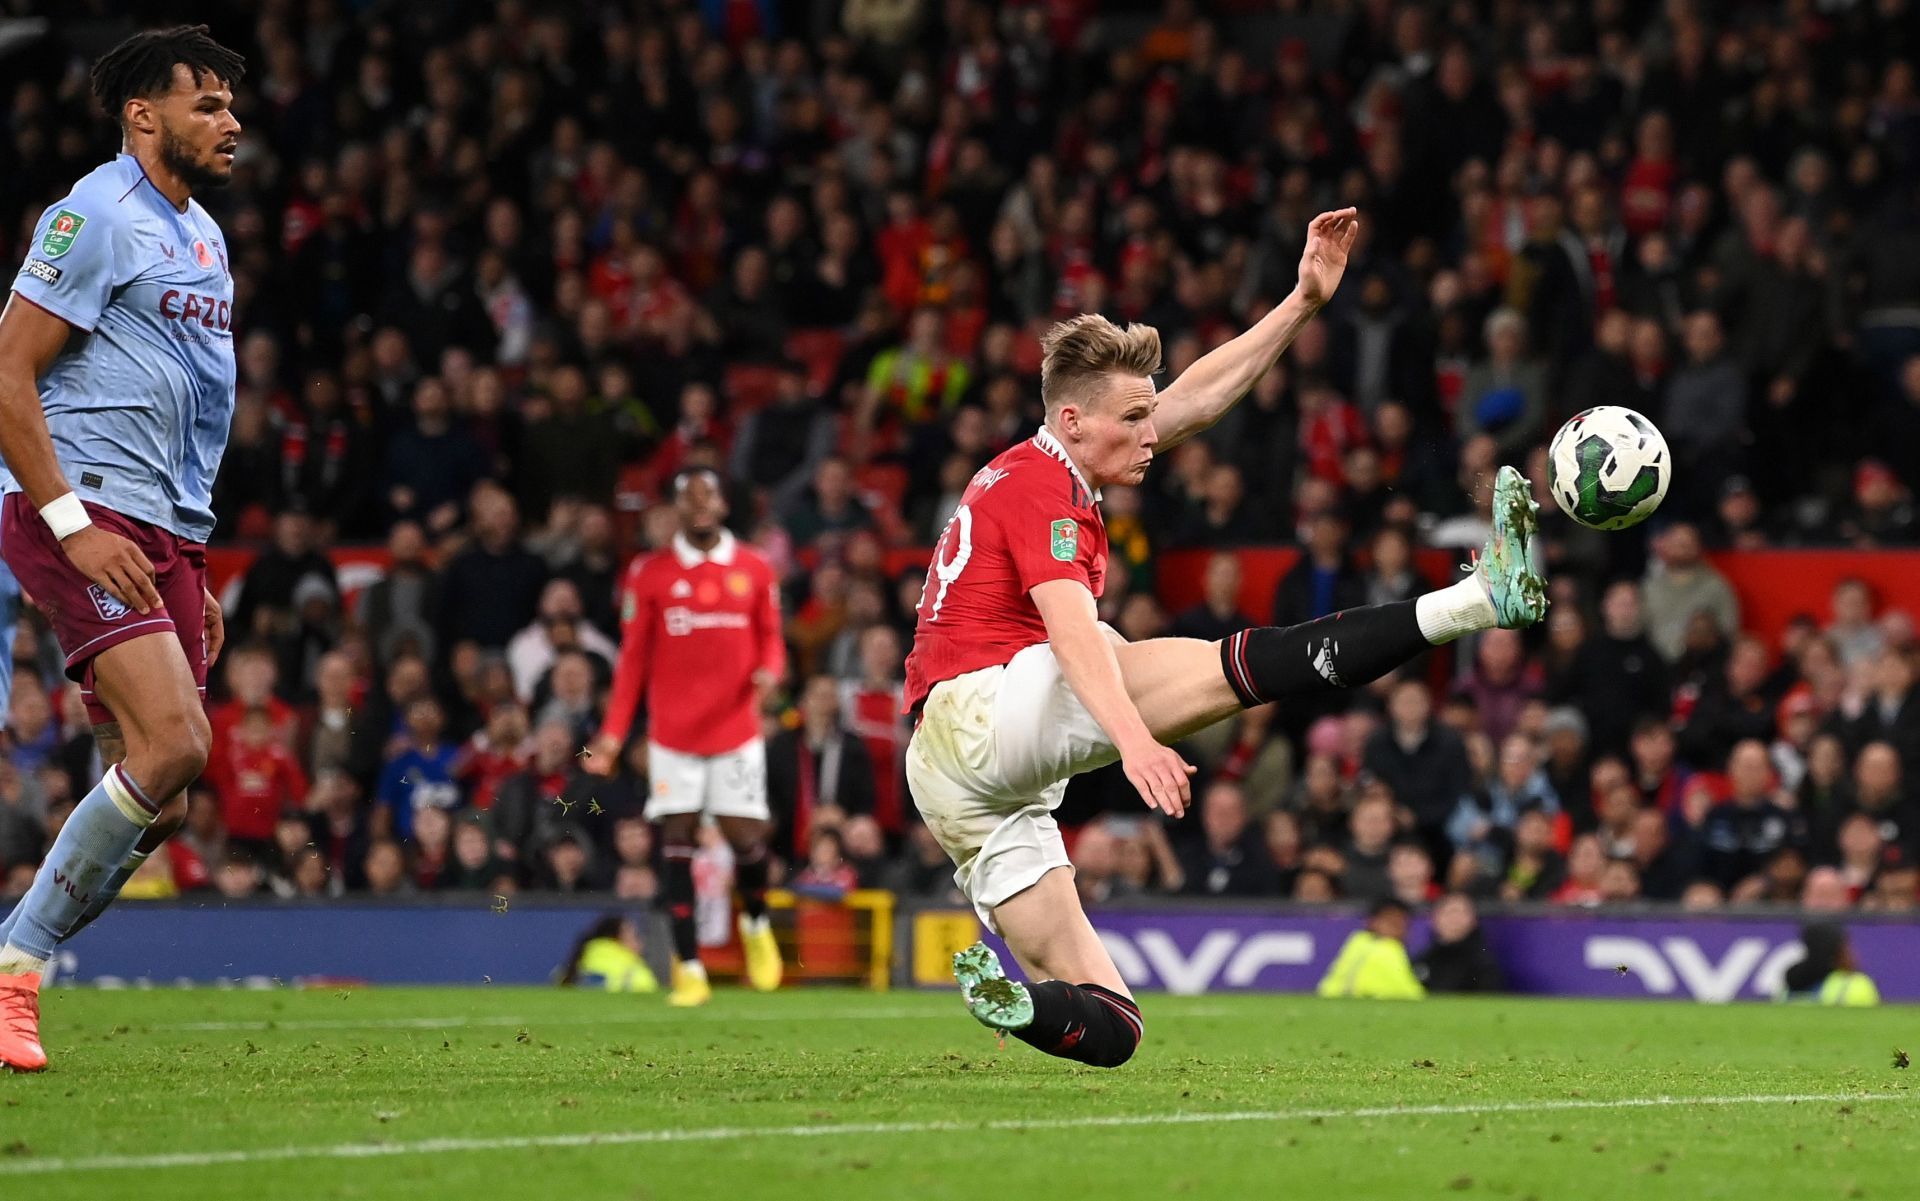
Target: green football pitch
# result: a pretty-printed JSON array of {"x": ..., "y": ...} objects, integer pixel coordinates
[{"x": 504, "y": 1093}]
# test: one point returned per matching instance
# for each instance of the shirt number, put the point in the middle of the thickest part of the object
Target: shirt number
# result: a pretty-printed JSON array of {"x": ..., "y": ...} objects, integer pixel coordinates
[{"x": 944, "y": 568}]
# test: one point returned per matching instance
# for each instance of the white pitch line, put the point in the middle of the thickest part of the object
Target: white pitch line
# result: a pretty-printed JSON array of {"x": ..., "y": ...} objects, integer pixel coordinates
[
  {"x": 716, "y": 1017},
  {"x": 454, "y": 1023},
  {"x": 620, "y": 1138}
]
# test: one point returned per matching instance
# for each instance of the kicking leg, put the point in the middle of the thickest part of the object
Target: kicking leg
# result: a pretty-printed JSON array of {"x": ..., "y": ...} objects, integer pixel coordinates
[
  {"x": 748, "y": 838},
  {"x": 1181, "y": 685},
  {"x": 1093, "y": 1021}
]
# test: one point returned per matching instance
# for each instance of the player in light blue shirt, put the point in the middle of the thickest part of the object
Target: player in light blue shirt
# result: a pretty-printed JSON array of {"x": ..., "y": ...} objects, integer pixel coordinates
[{"x": 116, "y": 390}]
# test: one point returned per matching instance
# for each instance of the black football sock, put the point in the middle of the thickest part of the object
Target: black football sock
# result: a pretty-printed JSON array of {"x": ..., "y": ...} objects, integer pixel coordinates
[
  {"x": 750, "y": 877},
  {"x": 1083, "y": 1022},
  {"x": 679, "y": 894},
  {"x": 1342, "y": 650}
]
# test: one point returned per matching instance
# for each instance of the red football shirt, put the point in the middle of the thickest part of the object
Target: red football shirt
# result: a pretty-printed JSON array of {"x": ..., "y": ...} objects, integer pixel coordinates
[
  {"x": 873, "y": 716},
  {"x": 694, "y": 629},
  {"x": 1027, "y": 517},
  {"x": 256, "y": 785}
]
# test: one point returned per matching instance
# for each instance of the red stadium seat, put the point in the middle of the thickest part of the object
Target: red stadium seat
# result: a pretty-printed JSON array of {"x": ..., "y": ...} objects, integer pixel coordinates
[
  {"x": 820, "y": 351},
  {"x": 749, "y": 386}
]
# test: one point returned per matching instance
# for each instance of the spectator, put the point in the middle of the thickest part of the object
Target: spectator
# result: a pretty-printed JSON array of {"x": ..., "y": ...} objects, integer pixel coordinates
[
  {"x": 491, "y": 589},
  {"x": 1731, "y": 709},
  {"x": 420, "y": 774},
  {"x": 566, "y": 448},
  {"x": 1745, "y": 830},
  {"x": 608, "y": 956},
  {"x": 1828, "y": 974},
  {"x": 1423, "y": 763},
  {"x": 1323, "y": 581},
  {"x": 264, "y": 607},
  {"x": 1666, "y": 860},
  {"x": 530, "y": 804},
  {"x": 1369, "y": 848},
  {"x": 475, "y": 865},
  {"x": 1706, "y": 412},
  {"x": 239, "y": 877},
  {"x": 1218, "y": 614},
  {"x": 1482, "y": 824},
  {"x": 1458, "y": 959},
  {"x": 1536, "y": 871},
  {"x": 815, "y": 768},
  {"x": 1879, "y": 794},
  {"x": 1500, "y": 682},
  {"x": 431, "y": 467},
  {"x": 532, "y": 652},
  {"x": 258, "y": 779},
  {"x": 1890, "y": 713},
  {"x": 917, "y": 379},
  {"x": 1373, "y": 961},
  {"x": 829, "y": 507},
  {"x": 385, "y": 870},
  {"x": 1506, "y": 395},
  {"x": 827, "y": 873},
  {"x": 1681, "y": 585},
  {"x": 870, "y": 708},
  {"x": 1617, "y": 673},
  {"x": 782, "y": 445},
  {"x": 402, "y": 606},
  {"x": 1230, "y": 857},
  {"x": 1586, "y": 864}
]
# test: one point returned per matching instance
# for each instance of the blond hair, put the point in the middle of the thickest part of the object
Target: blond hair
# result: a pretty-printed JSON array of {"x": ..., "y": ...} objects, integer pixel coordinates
[{"x": 1081, "y": 351}]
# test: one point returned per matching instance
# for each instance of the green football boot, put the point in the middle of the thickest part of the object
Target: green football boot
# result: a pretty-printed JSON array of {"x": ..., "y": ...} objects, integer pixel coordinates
[
  {"x": 995, "y": 1001},
  {"x": 1519, "y": 594}
]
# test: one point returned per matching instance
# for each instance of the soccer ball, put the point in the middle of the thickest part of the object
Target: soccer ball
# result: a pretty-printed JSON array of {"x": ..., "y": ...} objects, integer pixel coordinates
[{"x": 1608, "y": 468}]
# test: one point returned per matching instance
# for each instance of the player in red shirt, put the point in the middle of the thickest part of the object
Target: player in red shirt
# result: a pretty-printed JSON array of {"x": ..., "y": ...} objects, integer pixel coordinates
[
  {"x": 700, "y": 634},
  {"x": 1018, "y": 687}
]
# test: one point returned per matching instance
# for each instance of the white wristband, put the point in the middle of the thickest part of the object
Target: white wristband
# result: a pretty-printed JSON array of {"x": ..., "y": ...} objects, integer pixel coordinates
[{"x": 65, "y": 515}]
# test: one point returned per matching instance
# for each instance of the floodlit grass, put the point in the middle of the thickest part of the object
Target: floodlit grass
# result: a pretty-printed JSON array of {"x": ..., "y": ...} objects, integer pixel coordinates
[{"x": 504, "y": 1093}]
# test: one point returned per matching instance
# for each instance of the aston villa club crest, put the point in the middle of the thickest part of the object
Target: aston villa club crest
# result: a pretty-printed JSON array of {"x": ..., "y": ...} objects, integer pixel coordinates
[{"x": 104, "y": 603}]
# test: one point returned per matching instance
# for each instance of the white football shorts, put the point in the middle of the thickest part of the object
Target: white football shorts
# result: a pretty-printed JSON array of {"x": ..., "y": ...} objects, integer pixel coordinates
[
  {"x": 730, "y": 784},
  {"x": 989, "y": 763}
]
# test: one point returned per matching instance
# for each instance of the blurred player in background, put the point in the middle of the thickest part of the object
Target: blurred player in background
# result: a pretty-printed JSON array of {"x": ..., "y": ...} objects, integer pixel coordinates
[
  {"x": 116, "y": 391},
  {"x": 1019, "y": 686},
  {"x": 700, "y": 636}
]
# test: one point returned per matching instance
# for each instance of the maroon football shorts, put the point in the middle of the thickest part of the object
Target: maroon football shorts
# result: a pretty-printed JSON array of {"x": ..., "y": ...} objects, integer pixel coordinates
[{"x": 86, "y": 617}]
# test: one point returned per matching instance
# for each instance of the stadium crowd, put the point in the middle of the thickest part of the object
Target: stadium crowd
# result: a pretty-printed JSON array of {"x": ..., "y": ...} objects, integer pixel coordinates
[{"x": 502, "y": 270}]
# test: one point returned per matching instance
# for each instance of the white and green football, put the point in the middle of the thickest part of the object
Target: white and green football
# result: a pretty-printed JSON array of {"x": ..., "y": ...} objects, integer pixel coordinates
[{"x": 1608, "y": 468}]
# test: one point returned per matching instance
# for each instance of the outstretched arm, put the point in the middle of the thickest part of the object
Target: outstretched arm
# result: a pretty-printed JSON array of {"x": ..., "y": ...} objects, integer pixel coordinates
[{"x": 1218, "y": 379}]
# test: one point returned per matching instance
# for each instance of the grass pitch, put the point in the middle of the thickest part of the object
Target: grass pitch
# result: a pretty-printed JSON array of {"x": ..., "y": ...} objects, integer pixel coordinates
[{"x": 503, "y": 1093}]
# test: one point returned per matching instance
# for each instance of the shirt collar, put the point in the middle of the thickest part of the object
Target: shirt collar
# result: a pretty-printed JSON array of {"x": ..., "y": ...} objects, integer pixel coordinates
[
  {"x": 691, "y": 557},
  {"x": 1045, "y": 440}
]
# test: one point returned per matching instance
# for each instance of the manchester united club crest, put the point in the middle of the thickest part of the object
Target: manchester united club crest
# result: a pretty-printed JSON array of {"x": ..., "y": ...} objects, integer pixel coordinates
[{"x": 738, "y": 583}]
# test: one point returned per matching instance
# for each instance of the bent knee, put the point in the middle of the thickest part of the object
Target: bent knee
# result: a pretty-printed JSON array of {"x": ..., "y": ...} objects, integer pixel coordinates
[
  {"x": 173, "y": 815},
  {"x": 1115, "y": 1053},
  {"x": 172, "y": 757}
]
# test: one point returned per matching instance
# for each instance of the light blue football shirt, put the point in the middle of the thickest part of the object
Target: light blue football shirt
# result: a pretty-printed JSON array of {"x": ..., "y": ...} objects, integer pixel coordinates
[{"x": 140, "y": 400}]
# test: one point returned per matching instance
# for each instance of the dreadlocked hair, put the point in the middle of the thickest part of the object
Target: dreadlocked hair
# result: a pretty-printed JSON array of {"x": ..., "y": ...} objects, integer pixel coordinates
[{"x": 142, "y": 66}]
